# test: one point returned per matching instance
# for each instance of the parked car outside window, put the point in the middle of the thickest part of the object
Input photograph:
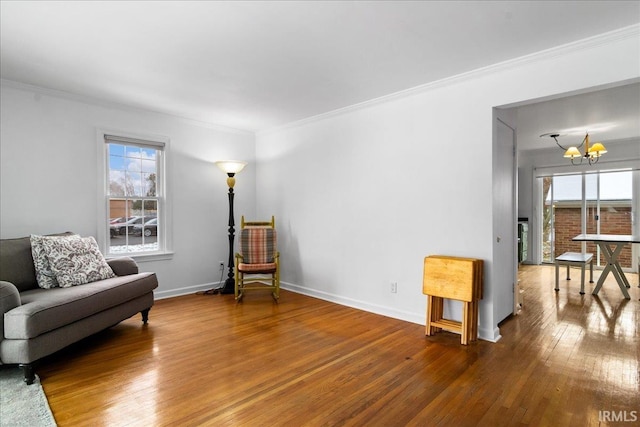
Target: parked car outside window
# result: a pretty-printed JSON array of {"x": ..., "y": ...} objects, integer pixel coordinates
[
  {"x": 149, "y": 228},
  {"x": 121, "y": 228}
]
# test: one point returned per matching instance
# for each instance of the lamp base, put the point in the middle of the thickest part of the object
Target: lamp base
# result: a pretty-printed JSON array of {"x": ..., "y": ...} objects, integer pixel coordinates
[{"x": 229, "y": 287}]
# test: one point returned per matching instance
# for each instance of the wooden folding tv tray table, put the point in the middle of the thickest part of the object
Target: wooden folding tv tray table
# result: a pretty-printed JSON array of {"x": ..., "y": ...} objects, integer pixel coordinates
[{"x": 458, "y": 279}]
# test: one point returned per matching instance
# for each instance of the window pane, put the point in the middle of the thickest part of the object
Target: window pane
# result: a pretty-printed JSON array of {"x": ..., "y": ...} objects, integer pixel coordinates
[
  {"x": 116, "y": 162},
  {"x": 149, "y": 157},
  {"x": 149, "y": 230},
  {"x": 116, "y": 150},
  {"x": 149, "y": 184},
  {"x": 150, "y": 208},
  {"x": 117, "y": 210},
  {"x": 116, "y": 183},
  {"x": 134, "y": 184},
  {"x": 132, "y": 151},
  {"x": 133, "y": 165},
  {"x": 616, "y": 185}
]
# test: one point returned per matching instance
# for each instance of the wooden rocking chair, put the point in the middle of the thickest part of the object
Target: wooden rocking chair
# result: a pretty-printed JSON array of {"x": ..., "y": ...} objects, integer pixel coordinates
[{"x": 257, "y": 264}]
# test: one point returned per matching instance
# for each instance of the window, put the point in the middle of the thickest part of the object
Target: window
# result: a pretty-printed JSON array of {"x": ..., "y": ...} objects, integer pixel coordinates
[{"x": 135, "y": 193}]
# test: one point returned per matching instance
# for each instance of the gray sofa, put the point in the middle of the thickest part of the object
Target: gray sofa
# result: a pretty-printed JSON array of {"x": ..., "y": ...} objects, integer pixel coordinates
[{"x": 37, "y": 322}]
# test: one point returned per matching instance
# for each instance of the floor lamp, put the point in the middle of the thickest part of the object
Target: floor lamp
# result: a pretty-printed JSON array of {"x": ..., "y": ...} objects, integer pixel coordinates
[{"x": 230, "y": 167}]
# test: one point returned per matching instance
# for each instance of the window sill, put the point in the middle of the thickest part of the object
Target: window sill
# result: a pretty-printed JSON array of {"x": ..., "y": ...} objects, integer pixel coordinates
[{"x": 142, "y": 257}]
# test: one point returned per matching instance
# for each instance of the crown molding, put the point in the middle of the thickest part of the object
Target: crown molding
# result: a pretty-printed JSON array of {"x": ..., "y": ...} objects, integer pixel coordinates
[
  {"x": 111, "y": 104},
  {"x": 630, "y": 32}
]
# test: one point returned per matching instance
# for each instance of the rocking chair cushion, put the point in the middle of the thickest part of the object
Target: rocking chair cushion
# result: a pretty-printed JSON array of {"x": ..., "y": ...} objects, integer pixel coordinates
[
  {"x": 258, "y": 245},
  {"x": 257, "y": 268}
]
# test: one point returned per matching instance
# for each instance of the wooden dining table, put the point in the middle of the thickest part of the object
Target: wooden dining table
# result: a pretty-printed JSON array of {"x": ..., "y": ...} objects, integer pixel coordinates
[{"x": 611, "y": 245}]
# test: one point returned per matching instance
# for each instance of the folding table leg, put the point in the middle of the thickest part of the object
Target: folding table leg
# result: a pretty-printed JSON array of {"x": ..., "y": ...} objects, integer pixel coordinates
[
  {"x": 429, "y": 315},
  {"x": 474, "y": 321},
  {"x": 464, "y": 330}
]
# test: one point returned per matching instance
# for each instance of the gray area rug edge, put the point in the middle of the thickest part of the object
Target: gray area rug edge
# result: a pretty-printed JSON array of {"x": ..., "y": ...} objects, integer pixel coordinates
[{"x": 22, "y": 404}]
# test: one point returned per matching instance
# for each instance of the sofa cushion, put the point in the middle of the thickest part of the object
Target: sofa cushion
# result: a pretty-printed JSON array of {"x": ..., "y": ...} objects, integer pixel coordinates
[
  {"x": 16, "y": 262},
  {"x": 44, "y": 275},
  {"x": 76, "y": 261},
  {"x": 43, "y": 310},
  {"x": 123, "y": 266}
]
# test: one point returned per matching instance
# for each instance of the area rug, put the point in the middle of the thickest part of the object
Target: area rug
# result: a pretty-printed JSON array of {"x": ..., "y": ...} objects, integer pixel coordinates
[{"x": 22, "y": 404}]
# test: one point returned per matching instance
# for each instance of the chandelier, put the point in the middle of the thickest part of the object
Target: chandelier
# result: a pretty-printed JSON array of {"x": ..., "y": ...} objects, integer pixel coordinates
[{"x": 591, "y": 153}]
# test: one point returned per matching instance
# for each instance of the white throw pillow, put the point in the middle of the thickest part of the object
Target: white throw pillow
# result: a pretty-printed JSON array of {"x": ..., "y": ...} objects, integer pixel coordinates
[
  {"x": 45, "y": 277},
  {"x": 76, "y": 261}
]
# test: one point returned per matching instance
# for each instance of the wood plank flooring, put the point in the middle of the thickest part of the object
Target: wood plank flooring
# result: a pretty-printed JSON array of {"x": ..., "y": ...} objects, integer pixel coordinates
[{"x": 203, "y": 360}]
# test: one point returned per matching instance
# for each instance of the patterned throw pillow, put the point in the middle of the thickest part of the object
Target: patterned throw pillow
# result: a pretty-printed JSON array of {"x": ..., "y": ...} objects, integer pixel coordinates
[
  {"x": 45, "y": 277},
  {"x": 76, "y": 261}
]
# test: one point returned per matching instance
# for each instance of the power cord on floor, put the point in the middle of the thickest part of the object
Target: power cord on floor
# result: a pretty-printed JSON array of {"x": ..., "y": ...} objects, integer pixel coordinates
[{"x": 214, "y": 291}]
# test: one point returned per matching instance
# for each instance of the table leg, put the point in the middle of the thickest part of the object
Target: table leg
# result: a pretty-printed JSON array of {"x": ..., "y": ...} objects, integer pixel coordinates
[
  {"x": 464, "y": 339},
  {"x": 611, "y": 257},
  {"x": 622, "y": 275},
  {"x": 428, "y": 330}
]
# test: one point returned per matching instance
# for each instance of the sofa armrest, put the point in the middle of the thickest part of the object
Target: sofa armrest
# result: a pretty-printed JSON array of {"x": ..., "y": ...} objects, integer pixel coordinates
[
  {"x": 123, "y": 266},
  {"x": 9, "y": 299}
]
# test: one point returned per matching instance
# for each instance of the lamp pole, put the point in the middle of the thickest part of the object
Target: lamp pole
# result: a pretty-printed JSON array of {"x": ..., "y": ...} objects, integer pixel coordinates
[
  {"x": 229, "y": 284},
  {"x": 231, "y": 168}
]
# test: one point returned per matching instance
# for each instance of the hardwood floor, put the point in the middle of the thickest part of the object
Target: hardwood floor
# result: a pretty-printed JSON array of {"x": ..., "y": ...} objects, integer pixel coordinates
[{"x": 202, "y": 360}]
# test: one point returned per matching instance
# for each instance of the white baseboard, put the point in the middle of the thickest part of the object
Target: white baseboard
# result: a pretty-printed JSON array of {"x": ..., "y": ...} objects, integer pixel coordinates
[
  {"x": 489, "y": 335},
  {"x": 418, "y": 318},
  {"x": 186, "y": 290}
]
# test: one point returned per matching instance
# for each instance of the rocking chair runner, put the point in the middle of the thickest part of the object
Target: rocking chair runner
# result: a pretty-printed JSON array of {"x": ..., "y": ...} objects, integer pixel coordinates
[{"x": 258, "y": 260}]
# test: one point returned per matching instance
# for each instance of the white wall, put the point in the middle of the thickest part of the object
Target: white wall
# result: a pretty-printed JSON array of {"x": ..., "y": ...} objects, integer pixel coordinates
[
  {"x": 48, "y": 178},
  {"x": 362, "y": 195}
]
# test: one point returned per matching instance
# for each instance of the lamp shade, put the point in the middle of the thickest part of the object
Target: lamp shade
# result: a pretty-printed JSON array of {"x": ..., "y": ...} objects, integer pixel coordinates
[
  {"x": 231, "y": 166},
  {"x": 572, "y": 153},
  {"x": 597, "y": 149}
]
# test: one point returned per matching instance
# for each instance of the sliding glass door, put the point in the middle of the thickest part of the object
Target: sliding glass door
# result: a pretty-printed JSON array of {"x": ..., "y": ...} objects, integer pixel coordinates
[{"x": 599, "y": 202}]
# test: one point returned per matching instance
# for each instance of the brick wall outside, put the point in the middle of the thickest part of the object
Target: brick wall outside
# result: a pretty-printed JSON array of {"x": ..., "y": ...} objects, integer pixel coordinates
[
  {"x": 118, "y": 208},
  {"x": 613, "y": 220}
]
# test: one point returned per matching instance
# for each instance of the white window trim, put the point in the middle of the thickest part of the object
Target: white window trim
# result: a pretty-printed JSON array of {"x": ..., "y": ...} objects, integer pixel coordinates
[{"x": 103, "y": 200}]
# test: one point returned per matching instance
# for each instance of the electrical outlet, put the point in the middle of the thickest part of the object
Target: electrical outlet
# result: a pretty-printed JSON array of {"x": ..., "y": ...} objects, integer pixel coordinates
[
  {"x": 394, "y": 287},
  {"x": 221, "y": 268}
]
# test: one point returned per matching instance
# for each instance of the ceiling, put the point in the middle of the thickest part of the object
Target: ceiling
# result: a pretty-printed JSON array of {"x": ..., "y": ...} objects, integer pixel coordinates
[
  {"x": 608, "y": 115},
  {"x": 257, "y": 65}
]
